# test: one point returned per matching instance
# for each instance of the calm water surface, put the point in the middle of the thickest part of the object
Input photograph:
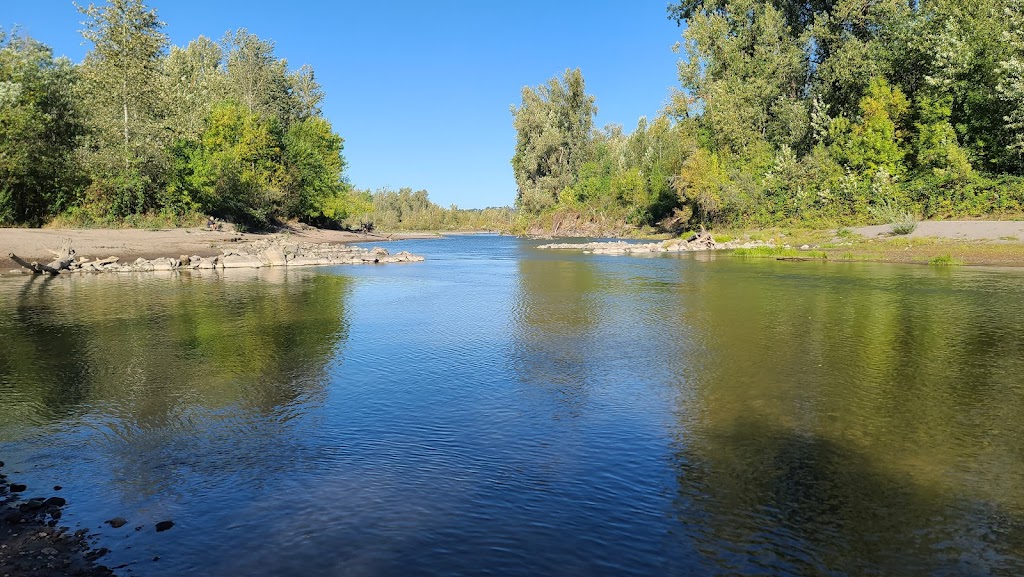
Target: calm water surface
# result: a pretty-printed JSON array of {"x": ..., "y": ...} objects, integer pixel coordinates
[{"x": 499, "y": 410}]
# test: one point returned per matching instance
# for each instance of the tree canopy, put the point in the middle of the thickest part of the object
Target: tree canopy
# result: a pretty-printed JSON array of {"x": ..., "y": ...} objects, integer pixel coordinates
[
  {"x": 141, "y": 127},
  {"x": 797, "y": 111}
]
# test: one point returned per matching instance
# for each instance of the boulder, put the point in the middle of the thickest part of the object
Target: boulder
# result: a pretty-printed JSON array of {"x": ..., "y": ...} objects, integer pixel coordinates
[
  {"x": 163, "y": 264},
  {"x": 273, "y": 255},
  {"x": 240, "y": 261},
  {"x": 303, "y": 261}
]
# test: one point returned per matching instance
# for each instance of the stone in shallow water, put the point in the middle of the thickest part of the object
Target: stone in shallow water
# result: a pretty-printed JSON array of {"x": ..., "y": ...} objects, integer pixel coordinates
[{"x": 164, "y": 525}]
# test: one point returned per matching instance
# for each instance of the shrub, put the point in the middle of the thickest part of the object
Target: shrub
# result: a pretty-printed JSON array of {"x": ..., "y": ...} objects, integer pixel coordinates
[{"x": 901, "y": 221}]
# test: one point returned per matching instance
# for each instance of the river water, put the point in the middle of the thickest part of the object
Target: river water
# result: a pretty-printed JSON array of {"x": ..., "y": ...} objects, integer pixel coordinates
[{"x": 501, "y": 410}]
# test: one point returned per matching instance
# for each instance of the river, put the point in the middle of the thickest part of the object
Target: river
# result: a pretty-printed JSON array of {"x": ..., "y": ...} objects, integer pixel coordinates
[{"x": 501, "y": 410}]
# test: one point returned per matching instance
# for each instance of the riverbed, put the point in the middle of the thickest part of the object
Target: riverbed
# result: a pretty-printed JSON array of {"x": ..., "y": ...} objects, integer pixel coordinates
[{"x": 503, "y": 410}]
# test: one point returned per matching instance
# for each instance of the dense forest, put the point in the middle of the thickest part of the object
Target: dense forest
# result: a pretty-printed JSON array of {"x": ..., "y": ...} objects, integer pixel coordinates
[
  {"x": 827, "y": 111},
  {"x": 142, "y": 133},
  {"x": 144, "y": 128},
  {"x": 819, "y": 112}
]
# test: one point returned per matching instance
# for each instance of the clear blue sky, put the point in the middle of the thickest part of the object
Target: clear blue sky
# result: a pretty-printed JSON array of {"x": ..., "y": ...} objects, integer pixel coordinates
[{"x": 421, "y": 90}]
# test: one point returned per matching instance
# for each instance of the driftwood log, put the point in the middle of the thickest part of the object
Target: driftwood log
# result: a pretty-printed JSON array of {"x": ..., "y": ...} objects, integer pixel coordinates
[{"x": 65, "y": 256}]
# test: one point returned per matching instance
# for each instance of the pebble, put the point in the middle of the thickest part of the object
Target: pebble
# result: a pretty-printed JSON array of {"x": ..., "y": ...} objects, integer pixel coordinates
[
  {"x": 116, "y": 522},
  {"x": 17, "y": 487}
]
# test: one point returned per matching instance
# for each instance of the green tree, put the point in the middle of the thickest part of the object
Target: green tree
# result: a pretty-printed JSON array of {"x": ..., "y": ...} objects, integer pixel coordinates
[
  {"x": 39, "y": 129},
  {"x": 195, "y": 83},
  {"x": 874, "y": 141},
  {"x": 312, "y": 152},
  {"x": 1010, "y": 86},
  {"x": 553, "y": 126},
  {"x": 256, "y": 77},
  {"x": 121, "y": 82},
  {"x": 747, "y": 75},
  {"x": 237, "y": 170}
]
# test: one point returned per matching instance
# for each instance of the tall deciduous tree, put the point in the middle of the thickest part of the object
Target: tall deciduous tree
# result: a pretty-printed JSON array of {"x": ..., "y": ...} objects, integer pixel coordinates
[
  {"x": 122, "y": 81},
  {"x": 195, "y": 82},
  {"x": 315, "y": 168},
  {"x": 553, "y": 126},
  {"x": 257, "y": 78}
]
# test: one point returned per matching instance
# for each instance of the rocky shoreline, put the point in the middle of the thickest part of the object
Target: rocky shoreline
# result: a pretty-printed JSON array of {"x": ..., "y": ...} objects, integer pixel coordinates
[
  {"x": 31, "y": 544},
  {"x": 697, "y": 242},
  {"x": 262, "y": 253}
]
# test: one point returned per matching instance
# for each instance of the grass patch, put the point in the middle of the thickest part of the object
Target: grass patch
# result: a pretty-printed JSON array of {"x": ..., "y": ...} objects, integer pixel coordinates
[
  {"x": 945, "y": 260},
  {"x": 778, "y": 252},
  {"x": 722, "y": 238}
]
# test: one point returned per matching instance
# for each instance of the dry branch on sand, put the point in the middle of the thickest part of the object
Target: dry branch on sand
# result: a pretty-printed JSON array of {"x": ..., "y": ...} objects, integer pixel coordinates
[{"x": 65, "y": 256}]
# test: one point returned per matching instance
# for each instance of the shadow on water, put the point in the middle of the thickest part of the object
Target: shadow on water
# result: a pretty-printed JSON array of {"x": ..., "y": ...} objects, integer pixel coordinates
[
  {"x": 868, "y": 421},
  {"x": 758, "y": 500}
]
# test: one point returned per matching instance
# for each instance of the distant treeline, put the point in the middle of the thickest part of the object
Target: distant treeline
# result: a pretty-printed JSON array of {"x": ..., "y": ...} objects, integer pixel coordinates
[
  {"x": 404, "y": 209},
  {"x": 796, "y": 112},
  {"x": 144, "y": 128}
]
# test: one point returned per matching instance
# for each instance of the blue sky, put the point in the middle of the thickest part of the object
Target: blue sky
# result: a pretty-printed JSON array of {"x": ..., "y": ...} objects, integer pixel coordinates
[{"x": 421, "y": 90}]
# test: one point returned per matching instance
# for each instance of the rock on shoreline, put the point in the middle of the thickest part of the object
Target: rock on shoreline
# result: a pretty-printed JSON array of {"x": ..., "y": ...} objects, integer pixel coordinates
[
  {"x": 697, "y": 242},
  {"x": 31, "y": 544}
]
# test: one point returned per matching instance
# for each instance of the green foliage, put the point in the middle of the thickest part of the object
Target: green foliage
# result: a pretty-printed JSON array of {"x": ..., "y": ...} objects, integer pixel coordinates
[
  {"x": 553, "y": 126},
  {"x": 237, "y": 168},
  {"x": 315, "y": 165},
  {"x": 125, "y": 152},
  {"x": 138, "y": 133},
  {"x": 945, "y": 260},
  {"x": 902, "y": 221},
  {"x": 407, "y": 210},
  {"x": 40, "y": 124},
  {"x": 874, "y": 142},
  {"x": 833, "y": 111},
  {"x": 779, "y": 252}
]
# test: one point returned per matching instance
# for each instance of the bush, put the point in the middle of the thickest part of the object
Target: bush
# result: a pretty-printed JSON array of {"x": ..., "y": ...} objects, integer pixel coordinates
[{"x": 902, "y": 221}]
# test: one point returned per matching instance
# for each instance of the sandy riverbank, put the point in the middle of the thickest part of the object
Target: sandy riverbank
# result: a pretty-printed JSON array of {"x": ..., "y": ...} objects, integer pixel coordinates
[
  {"x": 129, "y": 244},
  {"x": 993, "y": 230}
]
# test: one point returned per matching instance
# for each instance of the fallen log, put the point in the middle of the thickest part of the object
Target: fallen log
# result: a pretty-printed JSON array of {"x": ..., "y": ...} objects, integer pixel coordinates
[{"x": 65, "y": 256}]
